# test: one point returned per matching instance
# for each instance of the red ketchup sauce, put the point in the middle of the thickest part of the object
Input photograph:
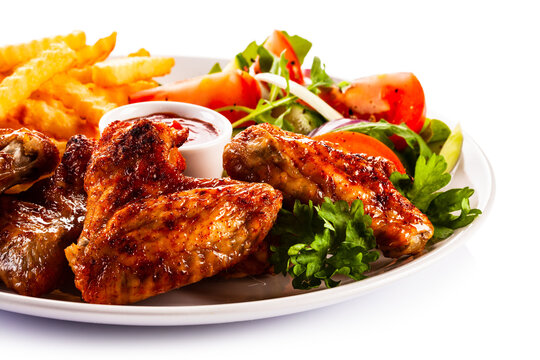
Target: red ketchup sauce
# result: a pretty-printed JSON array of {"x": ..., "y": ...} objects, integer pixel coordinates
[{"x": 199, "y": 131}]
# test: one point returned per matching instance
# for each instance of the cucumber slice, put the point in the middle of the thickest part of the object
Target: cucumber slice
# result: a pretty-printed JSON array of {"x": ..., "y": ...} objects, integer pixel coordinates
[
  {"x": 451, "y": 150},
  {"x": 303, "y": 120}
]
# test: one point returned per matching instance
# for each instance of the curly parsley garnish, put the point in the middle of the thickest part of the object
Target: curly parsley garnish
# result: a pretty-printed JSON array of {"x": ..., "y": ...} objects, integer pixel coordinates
[
  {"x": 448, "y": 210},
  {"x": 319, "y": 242}
]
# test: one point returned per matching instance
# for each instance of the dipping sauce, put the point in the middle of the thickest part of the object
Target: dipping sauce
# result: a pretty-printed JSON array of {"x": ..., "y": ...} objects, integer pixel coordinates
[{"x": 200, "y": 131}]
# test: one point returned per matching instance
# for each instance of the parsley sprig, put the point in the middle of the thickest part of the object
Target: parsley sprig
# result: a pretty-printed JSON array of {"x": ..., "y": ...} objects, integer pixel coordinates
[
  {"x": 447, "y": 210},
  {"x": 316, "y": 243}
]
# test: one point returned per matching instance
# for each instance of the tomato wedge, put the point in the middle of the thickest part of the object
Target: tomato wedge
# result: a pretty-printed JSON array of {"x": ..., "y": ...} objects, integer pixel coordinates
[
  {"x": 227, "y": 88},
  {"x": 397, "y": 98},
  {"x": 277, "y": 43},
  {"x": 362, "y": 144}
]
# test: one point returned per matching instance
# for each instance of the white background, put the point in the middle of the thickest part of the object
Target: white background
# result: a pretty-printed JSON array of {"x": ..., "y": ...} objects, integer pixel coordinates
[{"x": 478, "y": 63}]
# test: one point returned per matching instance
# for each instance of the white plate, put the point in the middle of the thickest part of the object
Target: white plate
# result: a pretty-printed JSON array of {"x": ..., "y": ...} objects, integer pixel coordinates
[{"x": 220, "y": 300}]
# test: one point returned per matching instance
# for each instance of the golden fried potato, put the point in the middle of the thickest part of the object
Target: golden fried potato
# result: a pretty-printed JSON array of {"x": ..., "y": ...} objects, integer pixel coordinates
[
  {"x": 140, "y": 52},
  {"x": 52, "y": 118},
  {"x": 77, "y": 96},
  {"x": 91, "y": 54},
  {"x": 27, "y": 78},
  {"x": 120, "y": 94},
  {"x": 83, "y": 75},
  {"x": 126, "y": 70},
  {"x": 12, "y": 119},
  {"x": 62, "y": 87},
  {"x": 13, "y": 55}
]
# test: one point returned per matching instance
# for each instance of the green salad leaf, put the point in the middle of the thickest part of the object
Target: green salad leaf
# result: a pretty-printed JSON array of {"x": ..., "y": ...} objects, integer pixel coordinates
[
  {"x": 435, "y": 133},
  {"x": 447, "y": 210},
  {"x": 247, "y": 57},
  {"x": 300, "y": 46},
  {"x": 215, "y": 69},
  {"x": 383, "y": 131},
  {"x": 319, "y": 77},
  {"x": 316, "y": 243},
  {"x": 281, "y": 105}
]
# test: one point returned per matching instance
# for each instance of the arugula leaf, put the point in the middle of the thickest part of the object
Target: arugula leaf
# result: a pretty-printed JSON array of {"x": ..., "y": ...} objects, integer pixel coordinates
[
  {"x": 319, "y": 77},
  {"x": 247, "y": 57},
  {"x": 266, "y": 59},
  {"x": 279, "y": 102},
  {"x": 448, "y": 210},
  {"x": 215, "y": 69},
  {"x": 316, "y": 243},
  {"x": 383, "y": 130},
  {"x": 300, "y": 46},
  {"x": 343, "y": 84},
  {"x": 275, "y": 108}
]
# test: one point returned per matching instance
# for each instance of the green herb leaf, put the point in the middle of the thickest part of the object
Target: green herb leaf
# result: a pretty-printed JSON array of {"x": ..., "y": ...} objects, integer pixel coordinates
[
  {"x": 448, "y": 210},
  {"x": 300, "y": 46},
  {"x": 215, "y": 69},
  {"x": 319, "y": 77},
  {"x": 451, "y": 209},
  {"x": 266, "y": 59},
  {"x": 316, "y": 243},
  {"x": 343, "y": 84},
  {"x": 247, "y": 57},
  {"x": 429, "y": 176},
  {"x": 435, "y": 133},
  {"x": 383, "y": 130}
]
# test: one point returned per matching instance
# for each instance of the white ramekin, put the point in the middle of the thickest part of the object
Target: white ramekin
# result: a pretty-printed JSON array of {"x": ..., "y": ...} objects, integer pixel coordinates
[{"x": 202, "y": 159}]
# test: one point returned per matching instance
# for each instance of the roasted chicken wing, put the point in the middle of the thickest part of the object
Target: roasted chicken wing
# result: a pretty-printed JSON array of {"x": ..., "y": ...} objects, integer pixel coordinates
[
  {"x": 25, "y": 155},
  {"x": 36, "y": 226},
  {"x": 306, "y": 169},
  {"x": 149, "y": 229}
]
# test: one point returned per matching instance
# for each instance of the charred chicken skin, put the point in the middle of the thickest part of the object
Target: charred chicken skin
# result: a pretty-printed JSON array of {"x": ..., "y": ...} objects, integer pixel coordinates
[
  {"x": 36, "y": 226},
  {"x": 306, "y": 169},
  {"x": 149, "y": 229},
  {"x": 25, "y": 155}
]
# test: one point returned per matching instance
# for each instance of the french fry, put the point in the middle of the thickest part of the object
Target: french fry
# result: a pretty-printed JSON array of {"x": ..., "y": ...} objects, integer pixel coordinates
[
  {"x": 91, "y": 54},
  {"x": 52, "y": 118},
  {"x": 77, "y": 96},
  {"x": 140, "y": 52},
  {"x": 13, "y": 119},
  {"x": 62, "y": 87},
  {"x": 13, "y": 55},
  {"x": 125, "y": 70},
  {"x": 120, "y": 94},
  {"x": 27, "y": 78},
  {"x": 83, "y": 75}
]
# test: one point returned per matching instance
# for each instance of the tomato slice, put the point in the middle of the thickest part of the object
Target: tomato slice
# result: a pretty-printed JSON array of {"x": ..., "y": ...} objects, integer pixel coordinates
[
  {"x": 227, "y": 88},
  {"x": 397, "y": 98},
  {"x": 362, "y": 144},
  {"x": 277, "y": 43}
]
